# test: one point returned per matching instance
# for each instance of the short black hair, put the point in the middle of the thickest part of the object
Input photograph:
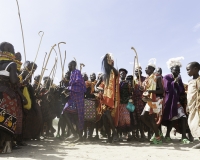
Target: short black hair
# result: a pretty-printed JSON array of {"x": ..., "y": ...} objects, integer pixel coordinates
[
  {"x": 194, "y": 64},
  {"x": 73, "y": 62}
]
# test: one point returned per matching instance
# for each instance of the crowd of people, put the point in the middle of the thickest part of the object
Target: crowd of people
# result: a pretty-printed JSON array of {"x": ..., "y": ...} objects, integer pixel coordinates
[{"x": 118, "y": 106}]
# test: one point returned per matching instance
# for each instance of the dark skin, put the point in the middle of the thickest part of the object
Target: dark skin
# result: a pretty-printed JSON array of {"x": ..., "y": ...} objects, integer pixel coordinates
[
  {"x": 150, "y": 70},
  {"x": 13, "y": 71},
  {"x": 159, "y": 71},
  {"x": 175, "y": 71},
  {"x": 85, "y": 77},
  {"x": 72, "y": 66},
  {"x": 107, "y": 114},
  {"x": 149, "y": 119},
  {"x": 93, "y": 77},
  {"x": 100, "y": 79},
  {"x": 18, "y": 56},
  {"x": 122, "y": 75},
  {"x": 192, "y": 71}
]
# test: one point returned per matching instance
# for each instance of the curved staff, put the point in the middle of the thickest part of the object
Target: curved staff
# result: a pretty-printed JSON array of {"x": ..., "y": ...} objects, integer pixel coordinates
[
  {"x": 63, "y": 69},
  {"x": 21, "y": 30},
  {"x": 81, "y": 66},
  {"x": 137, "y": 62},
  {"x": 38, "y": 48},
  {"x": 61, "y": 57},
  {"x": 53, "y": 73},
  {"x": 134, "y": 71},
  {"x": 44, "y": 68}
]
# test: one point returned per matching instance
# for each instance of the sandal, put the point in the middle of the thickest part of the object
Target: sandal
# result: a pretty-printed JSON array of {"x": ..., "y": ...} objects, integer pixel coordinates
[
  {"x": 168, "y": 139},
  {"x": 160, "y": 134},
  {"x": 185, "y": 141},
  {"x": 157, "y": 140}
]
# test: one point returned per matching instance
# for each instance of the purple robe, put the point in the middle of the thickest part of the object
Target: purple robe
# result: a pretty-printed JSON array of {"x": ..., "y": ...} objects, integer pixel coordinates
[
  {"x": 172, "y": 96},
  {"x": 77, "y": 89}
]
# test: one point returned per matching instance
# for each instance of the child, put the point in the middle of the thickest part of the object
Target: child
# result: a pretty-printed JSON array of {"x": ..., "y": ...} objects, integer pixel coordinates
[{"x": 193, "y": 98}]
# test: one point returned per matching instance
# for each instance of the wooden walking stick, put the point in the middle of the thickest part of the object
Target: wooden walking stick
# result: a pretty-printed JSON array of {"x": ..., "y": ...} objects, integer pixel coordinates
[
  {"x": 37, "y": 50},
  {"x": 63, "y": 69},
  {"x": 76, "y": 62},
  {"x": 45, "y": 65},
  {"x": 44, "y": 61},
  {"x": 21, "y": 30},
  {"x": 137, "y": 62},
  {"x": 134, "y": 71},
  {"x": 53, "y": 72},
  {"x": 61, "y": 57},
  {"x": 81, "y": 66}
]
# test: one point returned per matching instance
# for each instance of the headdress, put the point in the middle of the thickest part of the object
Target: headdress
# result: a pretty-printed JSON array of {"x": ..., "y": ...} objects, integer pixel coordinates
[
  {"x": 174, "y": 62},
  {"x": 152, "y": 62}
]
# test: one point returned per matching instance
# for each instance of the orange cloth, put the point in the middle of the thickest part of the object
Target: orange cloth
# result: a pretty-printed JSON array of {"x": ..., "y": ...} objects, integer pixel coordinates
[{"x": 111, "y": 97}]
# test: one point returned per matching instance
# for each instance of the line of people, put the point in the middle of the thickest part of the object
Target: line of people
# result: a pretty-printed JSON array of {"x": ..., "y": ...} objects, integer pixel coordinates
[{"x": 114, "y": 103}]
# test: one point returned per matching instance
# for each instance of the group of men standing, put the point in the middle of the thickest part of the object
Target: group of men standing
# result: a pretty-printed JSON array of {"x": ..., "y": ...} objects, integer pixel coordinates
[{"x": 115, "y": 103}]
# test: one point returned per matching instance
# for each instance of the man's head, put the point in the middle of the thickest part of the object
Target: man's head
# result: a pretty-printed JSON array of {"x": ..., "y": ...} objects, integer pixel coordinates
[
  {"x": 93, "y": 77},
  {"x": 67, "y": 75},
  {"x": 85, "y": 76},
  {"x": 123, "y": 72},
  {"x": 159, "y": 71},
  {"x": 175, "y": 70},
  {"x": 72, "y": 66},
  {"x": 138, "y": 71},
  {"x": 193, "y": 68},
  {"x": 37, "y": 78},
  {"x": 18, "y": 56},
  {"x": 149, "y": 70},
  {"x": 7, "y": 47}
]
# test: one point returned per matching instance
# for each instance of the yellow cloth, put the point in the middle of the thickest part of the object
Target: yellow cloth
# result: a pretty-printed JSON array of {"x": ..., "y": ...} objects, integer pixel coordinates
[
  {"x": 26, "y": 94},
  {"x": 193, "y": 100},
  {"x": 150, "y": 84},
  {"x": 7, "y": 56},
  {"x": 19, "y": 64}
]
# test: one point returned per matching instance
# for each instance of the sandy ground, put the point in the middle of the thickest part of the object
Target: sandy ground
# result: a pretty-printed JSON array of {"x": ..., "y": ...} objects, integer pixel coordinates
[{"x": 54, "y": 149}]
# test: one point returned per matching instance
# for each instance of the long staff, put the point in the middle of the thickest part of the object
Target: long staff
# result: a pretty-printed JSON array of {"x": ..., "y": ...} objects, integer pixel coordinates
[
  {"x": 76, "y": 62},
  {"x": 61, "y": 56},
  {"x": 44, "y": 61},
  {"x": 134, "y": 71},
  {"x": 52, "y": 71},
  {"x": 38, "y": 48},
  {"x": 44, "y": 68},
  {"x": 63, "y": 69},
  {"x": 81, "y": 66},
  {"x": 53, "y": 75},
  {"x": 137, "y": 62},
  {"x": 21, "y": 30}
]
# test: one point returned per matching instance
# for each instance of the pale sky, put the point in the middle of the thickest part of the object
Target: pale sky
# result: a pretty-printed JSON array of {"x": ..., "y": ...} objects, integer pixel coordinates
[{"x": 160, "y": 29}]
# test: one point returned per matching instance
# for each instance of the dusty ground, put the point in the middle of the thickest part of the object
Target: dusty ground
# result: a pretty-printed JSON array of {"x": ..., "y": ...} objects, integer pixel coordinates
[{"x": 53, "y": 148}]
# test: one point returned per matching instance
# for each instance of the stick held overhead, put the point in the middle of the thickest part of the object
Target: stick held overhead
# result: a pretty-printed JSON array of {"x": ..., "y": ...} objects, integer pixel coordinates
[
  {"x": 45, "y": 65},
  {"x": 137, "y": 61},
  {"x": 61, "y": 56},
  {"x": 38, "y": 47},
  {"x": 21, "y": 30}
]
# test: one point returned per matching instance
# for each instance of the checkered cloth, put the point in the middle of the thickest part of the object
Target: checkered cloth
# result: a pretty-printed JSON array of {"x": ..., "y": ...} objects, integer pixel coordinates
[{"x": 77, "y": 88}]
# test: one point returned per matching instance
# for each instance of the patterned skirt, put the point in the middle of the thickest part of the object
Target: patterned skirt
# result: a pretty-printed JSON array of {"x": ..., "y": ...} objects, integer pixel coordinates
[
  {"x": 8, "y": 113},
  {"x": 124, "y": 118},
  {"x": 19, "y": 116}
]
